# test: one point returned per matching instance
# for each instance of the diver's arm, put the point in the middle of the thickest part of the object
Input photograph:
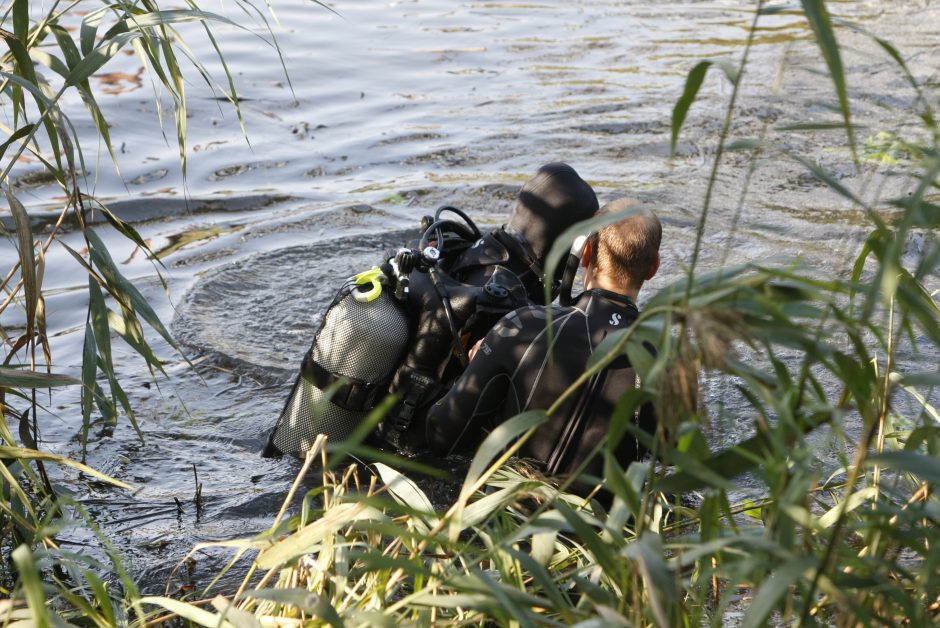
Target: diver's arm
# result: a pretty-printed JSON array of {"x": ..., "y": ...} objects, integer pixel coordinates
[{"x": 461, "y": 419}]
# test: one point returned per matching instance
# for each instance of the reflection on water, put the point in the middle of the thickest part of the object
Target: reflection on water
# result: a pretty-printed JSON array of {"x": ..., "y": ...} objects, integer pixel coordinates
[{"x": 390, "y": 112}]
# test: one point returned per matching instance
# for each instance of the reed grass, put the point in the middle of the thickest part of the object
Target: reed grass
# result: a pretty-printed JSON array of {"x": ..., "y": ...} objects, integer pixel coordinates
[
  {"x": 42, "y": 61},
  {"x": 678, "y": 546}
]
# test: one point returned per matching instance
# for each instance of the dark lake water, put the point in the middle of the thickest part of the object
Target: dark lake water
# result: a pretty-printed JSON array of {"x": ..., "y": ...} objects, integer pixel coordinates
[{"x": 390, "y": 110}]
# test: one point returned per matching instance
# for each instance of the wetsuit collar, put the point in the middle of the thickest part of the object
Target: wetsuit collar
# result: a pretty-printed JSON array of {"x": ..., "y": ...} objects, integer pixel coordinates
[{"x": 610, "y": 295}]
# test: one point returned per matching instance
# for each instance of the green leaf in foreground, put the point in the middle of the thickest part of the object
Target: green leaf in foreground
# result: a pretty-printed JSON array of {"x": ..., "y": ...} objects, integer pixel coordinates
[
  {"x": 769, "y": 593},
  {"x": 693, "y": 83},
  {"x": 497, "y": 441},
  {"x": 19, "y": 453},
  {"x": 302, "y": 600},
  {"x": 32, "y": 586},
  {"x": 189, "y": 612},
  {"x": 818, "y": 17},
  {"x": 20, "y": 378}
]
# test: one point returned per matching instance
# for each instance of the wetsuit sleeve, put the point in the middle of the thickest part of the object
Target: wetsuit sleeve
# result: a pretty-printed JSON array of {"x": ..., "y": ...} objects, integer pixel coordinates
[{"x": 463, "y": 417}]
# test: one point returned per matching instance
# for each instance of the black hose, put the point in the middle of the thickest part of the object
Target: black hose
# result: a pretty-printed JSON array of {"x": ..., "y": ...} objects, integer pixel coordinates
[
  {"x": 450, "y": 208},
  {"x": 456, "y": 227},
  {"x": 449, "y": 314}
]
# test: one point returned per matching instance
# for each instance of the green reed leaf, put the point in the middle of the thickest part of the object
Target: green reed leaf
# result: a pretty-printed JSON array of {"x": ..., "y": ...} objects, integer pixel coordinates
[
  {"x": 693, "y": 83},
  {"x": 19, "y": 134},
  {"x": 105, "y": 405},
  {"x": 188, "y": 612},
  {"x": 768, "y": 595},
  {"x": 302, "y": 600},
  {"x": 818, "y": 17},
  {"x": 647, "y": 553},
  {"x": 407, "y": 493},
  {"x": 492, "y": 503},
  {"x": 100, "y": 592},
  {"x": 51, "y": 61},
  {"x": 93, "y": 61},
  {"x": 21, "y": 378},
  {"x": 19, "y": 453},
  {"x": 20, "y": 11},
  {"x": 24, "y": 241},
  {"x": 134, "y": 299},
  {"x": 89, "y": 28},
  {"x": 144, "y": 21},
  {"x": 834, "y": 185},
  {"x": 603, "y": 553},
  {"x": 548, "y": 586},
  {"x": 497, "y": 441},
  {"x": 128, "y": 327},
  {"x": 98, "y": 313},
  {"x": 309, "y": 537},
  {"x": 30, "y": 582},
  {"x": 117, "y": 392},
  {"x": 922, "y": 466}
]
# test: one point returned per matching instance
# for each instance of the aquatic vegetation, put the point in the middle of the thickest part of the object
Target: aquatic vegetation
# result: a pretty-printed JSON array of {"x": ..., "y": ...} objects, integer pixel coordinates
[
  {"x": 759, "y": 530},
  {"x": 52, "y": 53}
]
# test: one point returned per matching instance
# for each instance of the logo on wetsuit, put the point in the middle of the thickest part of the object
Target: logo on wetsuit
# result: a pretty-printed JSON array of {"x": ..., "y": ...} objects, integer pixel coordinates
[{"x": 615, "y": 319}]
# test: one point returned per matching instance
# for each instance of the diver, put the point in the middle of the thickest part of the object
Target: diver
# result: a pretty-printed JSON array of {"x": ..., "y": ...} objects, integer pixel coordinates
[
  {"x": 519, "y": 366},
  {"x": 405, "y": 327}
]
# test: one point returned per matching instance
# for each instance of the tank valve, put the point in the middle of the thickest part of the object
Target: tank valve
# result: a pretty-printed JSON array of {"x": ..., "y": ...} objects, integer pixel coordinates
[
  {"x": 430, "y": 255},
  {"x": 403, "y": 264}
]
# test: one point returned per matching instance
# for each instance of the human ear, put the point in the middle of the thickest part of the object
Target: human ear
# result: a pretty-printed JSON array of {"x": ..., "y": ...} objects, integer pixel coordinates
[
  {"x": 654, "y": 269},
  {"x": 588, "y": 255}
]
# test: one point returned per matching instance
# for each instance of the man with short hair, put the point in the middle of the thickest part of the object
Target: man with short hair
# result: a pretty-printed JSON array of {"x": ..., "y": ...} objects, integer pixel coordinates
[{"x": 519, "y": 366}]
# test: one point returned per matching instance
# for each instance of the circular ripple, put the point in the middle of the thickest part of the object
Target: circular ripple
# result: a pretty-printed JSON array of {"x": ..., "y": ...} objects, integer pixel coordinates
[{"x": 263, "y": 311}]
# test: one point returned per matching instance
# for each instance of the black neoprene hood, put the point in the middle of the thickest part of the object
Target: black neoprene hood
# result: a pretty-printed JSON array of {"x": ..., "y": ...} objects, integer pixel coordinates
[{"x": 550, "y": 202}]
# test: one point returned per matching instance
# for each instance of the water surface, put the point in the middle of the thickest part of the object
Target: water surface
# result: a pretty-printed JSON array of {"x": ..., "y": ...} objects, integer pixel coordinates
[{"x": 390, "y": 110}]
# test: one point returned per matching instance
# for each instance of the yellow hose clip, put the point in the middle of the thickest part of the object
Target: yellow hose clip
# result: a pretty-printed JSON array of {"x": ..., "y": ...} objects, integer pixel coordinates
[{"x": 376, "y": 277}]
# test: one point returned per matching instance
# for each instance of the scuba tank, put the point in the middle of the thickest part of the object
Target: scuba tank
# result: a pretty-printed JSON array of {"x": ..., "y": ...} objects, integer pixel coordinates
[{"x": 348, "y": 368}]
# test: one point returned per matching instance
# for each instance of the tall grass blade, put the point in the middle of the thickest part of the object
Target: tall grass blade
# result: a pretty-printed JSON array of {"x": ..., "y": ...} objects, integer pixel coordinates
[
  {"x": 408, "y": 494},
  {"x": 925, "y": 467},
  {"x": 302, "y": 600},
  {"x": 18, "y": 453},
  {"x": 693, "y": 83},
  {"x": 818, "y": 17},
  {"x": 188, "y": 612},
  {"x": 21, "y": 378},
  {"x": 768, "y": 595},
  {"x": 116, "y": 281},
  {"x": 32, "y": 586},
  {"x": 496, "y": 442},
  {"x": 24, "y": 239}
]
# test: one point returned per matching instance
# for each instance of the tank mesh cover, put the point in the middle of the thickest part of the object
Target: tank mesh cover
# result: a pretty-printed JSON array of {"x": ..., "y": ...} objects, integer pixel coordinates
[{"x": 359, "y": 340}]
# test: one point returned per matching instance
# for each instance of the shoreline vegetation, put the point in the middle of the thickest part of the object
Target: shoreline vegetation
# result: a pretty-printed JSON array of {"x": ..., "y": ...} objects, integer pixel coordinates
[{"x": 805, "y": 350}]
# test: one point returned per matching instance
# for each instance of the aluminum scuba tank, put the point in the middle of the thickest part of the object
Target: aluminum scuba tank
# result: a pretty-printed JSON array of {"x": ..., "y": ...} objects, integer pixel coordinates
[{"x": 348, "y": 368}]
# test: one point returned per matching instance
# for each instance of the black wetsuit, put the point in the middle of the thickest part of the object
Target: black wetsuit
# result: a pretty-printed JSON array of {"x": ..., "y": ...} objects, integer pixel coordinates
[{"x": 516, "y": 370}]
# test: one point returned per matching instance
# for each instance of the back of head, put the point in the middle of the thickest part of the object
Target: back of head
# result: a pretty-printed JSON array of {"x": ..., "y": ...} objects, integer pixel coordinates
[
  {"x": 627, "y": 250},
  {"x": 550, "y": 202}
]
